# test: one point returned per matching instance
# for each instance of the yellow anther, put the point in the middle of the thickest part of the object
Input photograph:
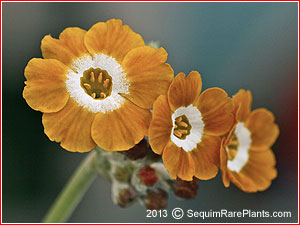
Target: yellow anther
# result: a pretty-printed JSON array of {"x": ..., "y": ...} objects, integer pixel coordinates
[
  {"x": 87, "y": 86},
  {"x": 100, "y": 77},
  {"x": 102, "y": 95},
  {"x": 234, "y": 142},
  {"x": 177, "y": 133},
  {"x": 178, "y": 119},
  {"x": 183, "y": 131},
  {"x": 96, "y": 83},
  {"x": 105, "y": 84},
  {"x": 92, "y": 77},
  {"x": 182, "y": 124},
  {"x": 181, "y": 127}
]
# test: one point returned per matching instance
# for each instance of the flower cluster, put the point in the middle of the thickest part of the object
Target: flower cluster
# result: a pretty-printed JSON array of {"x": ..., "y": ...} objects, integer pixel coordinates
[
  {"x": 138, "y": 174},
  {"x": 105, "y": 87}
]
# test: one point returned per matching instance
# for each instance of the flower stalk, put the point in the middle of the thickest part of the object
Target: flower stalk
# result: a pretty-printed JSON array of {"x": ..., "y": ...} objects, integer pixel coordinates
[{"x": 71, "y": 195}]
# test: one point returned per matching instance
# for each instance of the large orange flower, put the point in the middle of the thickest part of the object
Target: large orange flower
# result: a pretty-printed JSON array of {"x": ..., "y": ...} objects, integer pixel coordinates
[
  {"x": 246, "y": 157},
  {"x": 186, "y": 126},
  {"x": 96, "y": 87}
]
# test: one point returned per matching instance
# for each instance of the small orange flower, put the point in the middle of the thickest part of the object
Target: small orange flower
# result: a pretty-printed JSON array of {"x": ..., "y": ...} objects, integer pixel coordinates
[
  {"x": 96, "y": 87},
  {"x": 186, "y": 127},
  {"x": 246, "y": 157}
]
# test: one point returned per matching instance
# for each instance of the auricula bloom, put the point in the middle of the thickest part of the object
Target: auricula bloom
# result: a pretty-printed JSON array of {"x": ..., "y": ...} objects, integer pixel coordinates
[
  {"x": 186, "y": 127},
  {"x": 96, "y": 87},
  {"x": 246, "y": 157}
]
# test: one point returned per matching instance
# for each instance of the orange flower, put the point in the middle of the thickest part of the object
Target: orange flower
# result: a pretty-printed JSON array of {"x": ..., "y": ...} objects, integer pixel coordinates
[
  {"x": 246, "y": 157},
  {"x": 96, "y": 87},
  {"x": 186, "y": 127}
]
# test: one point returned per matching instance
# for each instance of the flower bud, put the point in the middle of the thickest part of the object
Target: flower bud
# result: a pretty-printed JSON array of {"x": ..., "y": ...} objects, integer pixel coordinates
[
  {"x": 123, "y": 174},
  {"x": 123, "y": 195},
  {"x": 148, "y": 176},
  {"x": 185, "y": 189},
  {"x": 156, "y": 199},
  {"x": 139, "y": 151}
]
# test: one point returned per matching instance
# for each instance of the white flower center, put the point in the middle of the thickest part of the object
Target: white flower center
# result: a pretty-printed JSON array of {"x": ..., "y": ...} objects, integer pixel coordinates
[
  {"x": 119, "y": 83},
  {"x": 242, "y": 155},
  {"x": 195, "y": 125}
]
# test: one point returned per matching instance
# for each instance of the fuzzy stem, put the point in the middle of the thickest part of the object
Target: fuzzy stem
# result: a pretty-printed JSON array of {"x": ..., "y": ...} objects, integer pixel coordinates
[{"x": 71, "y": 195}]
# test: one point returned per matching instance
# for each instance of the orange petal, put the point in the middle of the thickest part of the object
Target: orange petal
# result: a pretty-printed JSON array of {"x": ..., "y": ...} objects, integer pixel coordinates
[
  {"x": 261, "y": 175},
  {"x": 206, "y": 157},
  {"x": 148, "y": 73},
  {"x": 178, "y": 162},
  {"x": 263, "y": 162},
  {"x": 112, "y": 38},
  {"x": 68, "y": 47},
  {"x": 161, "y": 125},
  {"x": 257, "y": 174},
  {"x": 242, "y": 104},
  {"x": 184, "y": 90},
  {"x": 223, "y": 163},
  {"x": 264, "y": 131},
  {"x": 258, "y": 179},
  {"x": 216, "y": 110},
  {"x": 242, "y": 182},
  {"x": 122, "y": 128},
  {"x": 71, "y": 126},
  {"x": 45, "y": 88},
  {"x": 263, "y": 158}
]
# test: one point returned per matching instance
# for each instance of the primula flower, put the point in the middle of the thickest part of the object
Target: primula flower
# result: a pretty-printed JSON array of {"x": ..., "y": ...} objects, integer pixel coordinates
[
  {"x": 96, "y": 87},
  {"x": 246, "y": 157},
  {"x": 186, "y": 127}
]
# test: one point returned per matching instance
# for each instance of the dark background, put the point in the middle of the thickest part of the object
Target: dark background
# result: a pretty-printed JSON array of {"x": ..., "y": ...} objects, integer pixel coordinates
[{"x": 233, "y": 45}]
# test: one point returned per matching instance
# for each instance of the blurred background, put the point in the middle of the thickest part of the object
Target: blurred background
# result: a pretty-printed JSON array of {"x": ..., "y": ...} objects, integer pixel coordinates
[{"x": 233, "y": 45}]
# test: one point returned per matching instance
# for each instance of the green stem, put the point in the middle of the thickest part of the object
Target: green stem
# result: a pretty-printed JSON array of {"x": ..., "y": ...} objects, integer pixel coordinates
[{"x": 73, "y": 191}]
